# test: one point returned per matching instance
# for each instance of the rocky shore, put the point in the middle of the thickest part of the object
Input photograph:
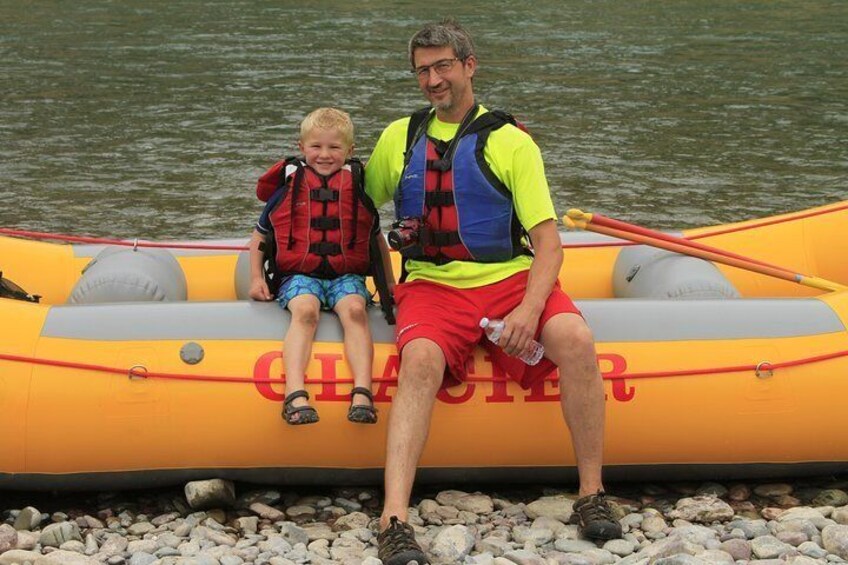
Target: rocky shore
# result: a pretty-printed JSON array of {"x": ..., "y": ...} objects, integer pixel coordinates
[{"x": 218, "y": 523}]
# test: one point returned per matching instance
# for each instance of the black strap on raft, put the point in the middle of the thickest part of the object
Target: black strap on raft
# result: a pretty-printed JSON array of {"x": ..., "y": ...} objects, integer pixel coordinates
[
  {"x": 8, "y": 289},
  {"x": 268, "y": 248}
]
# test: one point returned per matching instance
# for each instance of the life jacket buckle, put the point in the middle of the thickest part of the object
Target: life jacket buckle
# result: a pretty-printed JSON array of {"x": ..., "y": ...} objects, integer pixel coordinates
[
  {"x": 324, "y": 195},
  {"x": 441, "y": 165}
]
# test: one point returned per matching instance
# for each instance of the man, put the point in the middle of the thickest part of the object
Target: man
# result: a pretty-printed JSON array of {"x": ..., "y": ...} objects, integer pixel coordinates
[{"x": 458, "y": 156}]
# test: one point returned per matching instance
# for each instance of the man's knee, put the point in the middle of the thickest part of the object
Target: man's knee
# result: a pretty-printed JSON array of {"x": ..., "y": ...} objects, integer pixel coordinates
[
  {"x": 422, "y": 363},
  {"x": 567, "y": 338}
]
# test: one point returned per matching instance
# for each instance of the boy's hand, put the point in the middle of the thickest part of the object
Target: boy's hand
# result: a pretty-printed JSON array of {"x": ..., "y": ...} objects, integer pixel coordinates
[{"x": 259, "y": 291}]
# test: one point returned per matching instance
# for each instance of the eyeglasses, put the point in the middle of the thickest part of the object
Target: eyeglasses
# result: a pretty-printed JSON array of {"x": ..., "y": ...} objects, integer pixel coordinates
[{"x": 441, "y": 67}]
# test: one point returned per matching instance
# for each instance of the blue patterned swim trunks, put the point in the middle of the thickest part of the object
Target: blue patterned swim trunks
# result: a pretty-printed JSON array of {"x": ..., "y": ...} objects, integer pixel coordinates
[{"x": 327, "y": 291}]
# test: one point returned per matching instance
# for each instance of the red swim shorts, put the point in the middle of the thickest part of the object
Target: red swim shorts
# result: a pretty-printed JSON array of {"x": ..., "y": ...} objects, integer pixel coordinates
[{"x": 450, "y": 317}]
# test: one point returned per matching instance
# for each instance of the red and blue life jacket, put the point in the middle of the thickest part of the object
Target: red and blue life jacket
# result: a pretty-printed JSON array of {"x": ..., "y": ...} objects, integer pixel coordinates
[{"x": 467, "y": 212}]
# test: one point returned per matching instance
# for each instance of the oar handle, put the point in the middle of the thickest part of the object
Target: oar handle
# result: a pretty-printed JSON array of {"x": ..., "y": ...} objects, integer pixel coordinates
[{"x": 576, "y": 219}]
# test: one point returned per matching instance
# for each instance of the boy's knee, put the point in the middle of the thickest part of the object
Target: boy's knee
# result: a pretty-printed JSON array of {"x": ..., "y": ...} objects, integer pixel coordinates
[
  {"x": 356, "y": 312},
  {"x": 307, "y": 315}
]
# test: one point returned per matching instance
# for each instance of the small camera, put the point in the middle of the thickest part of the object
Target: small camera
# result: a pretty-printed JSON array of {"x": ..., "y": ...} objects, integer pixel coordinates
[{"x": 405, "y": 233}]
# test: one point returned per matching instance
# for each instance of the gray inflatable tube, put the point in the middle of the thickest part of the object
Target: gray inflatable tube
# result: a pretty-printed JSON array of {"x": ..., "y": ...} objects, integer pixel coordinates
[
  {"x": 647, "y": 272},
  {"x": 119, "y": 274},
  {"x": 242, "y": 276}
]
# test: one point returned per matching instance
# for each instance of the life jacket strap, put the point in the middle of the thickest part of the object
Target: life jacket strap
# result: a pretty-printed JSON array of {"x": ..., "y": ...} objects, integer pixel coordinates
[
  {"x": 325, "y": 223},
  {"x": 439, "y": 198},
  {"x": 325, "y": 248},
  {"x": 441, "y": 165},
  {"x": 324, "y": 195},
  {"x": 439, "y": 238}
]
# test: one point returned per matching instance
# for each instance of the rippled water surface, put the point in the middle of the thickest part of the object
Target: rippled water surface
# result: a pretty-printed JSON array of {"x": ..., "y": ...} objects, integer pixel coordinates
[{"x": 154, "y": 119}]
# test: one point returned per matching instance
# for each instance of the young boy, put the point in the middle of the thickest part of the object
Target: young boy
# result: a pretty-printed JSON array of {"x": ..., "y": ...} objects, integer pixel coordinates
[{"x": 318, "y": 232}]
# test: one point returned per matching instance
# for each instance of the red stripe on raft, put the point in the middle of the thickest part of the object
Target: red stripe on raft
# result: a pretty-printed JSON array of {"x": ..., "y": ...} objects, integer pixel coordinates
[{"x": 136, "y": 373}]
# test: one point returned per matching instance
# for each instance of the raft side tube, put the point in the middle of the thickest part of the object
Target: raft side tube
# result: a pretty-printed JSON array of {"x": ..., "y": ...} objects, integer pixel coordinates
[{"x": 636, "y": 320}]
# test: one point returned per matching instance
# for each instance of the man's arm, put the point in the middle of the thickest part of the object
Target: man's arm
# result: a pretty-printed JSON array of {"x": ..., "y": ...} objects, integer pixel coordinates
[{"x": 521, "y": 323}]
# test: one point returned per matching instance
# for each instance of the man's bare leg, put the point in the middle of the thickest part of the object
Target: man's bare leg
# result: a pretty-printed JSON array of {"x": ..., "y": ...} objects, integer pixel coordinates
[
  {"x": 421, "y": 371},
  {"x": 569, "y": 344}
]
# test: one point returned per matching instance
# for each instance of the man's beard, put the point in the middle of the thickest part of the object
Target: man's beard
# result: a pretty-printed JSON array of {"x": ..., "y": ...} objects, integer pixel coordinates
[{"x": 447, "y": 102}]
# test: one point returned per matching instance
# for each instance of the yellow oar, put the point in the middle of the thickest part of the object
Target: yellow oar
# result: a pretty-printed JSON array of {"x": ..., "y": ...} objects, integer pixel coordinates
[{"x": 577, "y": 219}]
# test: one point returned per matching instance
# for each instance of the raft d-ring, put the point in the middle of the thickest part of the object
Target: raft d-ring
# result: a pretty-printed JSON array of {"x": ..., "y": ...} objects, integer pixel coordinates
[
  {"x": 763, "y": 370},
  {"x": 137, "y": 372}
]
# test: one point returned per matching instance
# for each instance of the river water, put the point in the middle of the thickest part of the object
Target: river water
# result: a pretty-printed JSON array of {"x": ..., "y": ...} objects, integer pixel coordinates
[{"x": 154, "y": 119}]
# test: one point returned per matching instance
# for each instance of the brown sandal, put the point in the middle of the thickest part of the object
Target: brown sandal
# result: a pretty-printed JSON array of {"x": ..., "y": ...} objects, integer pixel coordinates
[
  {"x": 362, "y": 413},
  {"x": 298, "y": 415}
]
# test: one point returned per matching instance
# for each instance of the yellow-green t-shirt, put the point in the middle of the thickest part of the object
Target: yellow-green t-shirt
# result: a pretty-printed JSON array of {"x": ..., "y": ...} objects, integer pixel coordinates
[{"x": 516, "y": 161}]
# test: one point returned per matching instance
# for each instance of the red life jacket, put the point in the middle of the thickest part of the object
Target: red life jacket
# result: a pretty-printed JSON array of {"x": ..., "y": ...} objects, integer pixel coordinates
[{"x": 321, "y": 226}]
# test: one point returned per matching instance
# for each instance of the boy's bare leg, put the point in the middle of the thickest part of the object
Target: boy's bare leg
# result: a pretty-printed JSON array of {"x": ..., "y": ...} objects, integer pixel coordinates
[
  {"x": 358, "y": 345},
  {"x": 569, "y": 344},
  {"x": 305, "y": 310},
  {"x": 421, "y": 371}
]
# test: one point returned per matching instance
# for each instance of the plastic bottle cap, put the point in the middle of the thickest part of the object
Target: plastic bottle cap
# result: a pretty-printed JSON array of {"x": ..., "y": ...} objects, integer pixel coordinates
[{"x": 484, "y": 322}]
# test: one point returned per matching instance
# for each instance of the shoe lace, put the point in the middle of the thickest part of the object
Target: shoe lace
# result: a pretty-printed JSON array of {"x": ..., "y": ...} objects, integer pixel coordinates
[
  {"x": 595, "y": 508},
  {"x": 398, "y": 537}
]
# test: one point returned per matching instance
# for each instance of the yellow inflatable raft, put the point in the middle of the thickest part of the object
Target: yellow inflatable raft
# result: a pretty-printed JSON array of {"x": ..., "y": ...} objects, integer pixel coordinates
[{"x": 710, "y": 372}]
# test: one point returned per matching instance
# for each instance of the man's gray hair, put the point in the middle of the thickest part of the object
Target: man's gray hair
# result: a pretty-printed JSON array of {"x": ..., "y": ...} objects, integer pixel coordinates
[{"x": 446, "y": 33}]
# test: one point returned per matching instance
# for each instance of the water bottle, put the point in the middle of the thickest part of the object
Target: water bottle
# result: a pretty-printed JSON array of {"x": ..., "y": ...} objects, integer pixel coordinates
[{"x": 494, "y": 328}]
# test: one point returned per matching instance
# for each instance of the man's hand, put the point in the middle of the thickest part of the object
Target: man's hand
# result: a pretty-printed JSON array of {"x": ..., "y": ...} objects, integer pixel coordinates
[
  {"x": 520, "y": 324},
  {"x": 519, "y": 328},
  {"x": 259, "y": 290}
]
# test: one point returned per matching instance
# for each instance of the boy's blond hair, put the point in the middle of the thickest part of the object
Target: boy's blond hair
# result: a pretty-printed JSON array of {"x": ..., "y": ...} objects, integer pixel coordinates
[{"x": 328, "y": 119}]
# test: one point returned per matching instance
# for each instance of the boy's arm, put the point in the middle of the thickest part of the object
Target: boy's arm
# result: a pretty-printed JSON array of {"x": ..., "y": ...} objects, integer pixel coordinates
[{"x": 258, "y": 286}]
